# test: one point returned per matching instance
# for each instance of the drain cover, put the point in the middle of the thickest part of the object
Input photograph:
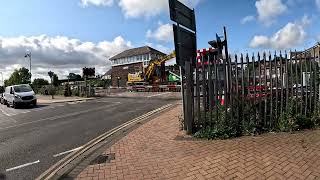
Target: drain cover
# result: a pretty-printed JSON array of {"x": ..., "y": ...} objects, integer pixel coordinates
[{"x": 104, "y": 158}]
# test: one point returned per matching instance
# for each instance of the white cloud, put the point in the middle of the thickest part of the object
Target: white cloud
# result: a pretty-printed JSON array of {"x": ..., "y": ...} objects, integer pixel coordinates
[
  {"x": 247, "y": 19},
  {"x": 148, "y": 8},
  {"x": 163, "y": 33},
  {"x": 268, "y": 10},
  {"x": 318, "y": 37},
  {"x": 86, "y": 3},
  {"x": 291, "y": 35},
  {"x": 318, "y": 3},
  {"x": 59, "y": 54}
]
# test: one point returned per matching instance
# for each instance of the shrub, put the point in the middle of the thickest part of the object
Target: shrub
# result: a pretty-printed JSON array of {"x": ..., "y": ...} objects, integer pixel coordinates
[{"x": 304, "y": 122}]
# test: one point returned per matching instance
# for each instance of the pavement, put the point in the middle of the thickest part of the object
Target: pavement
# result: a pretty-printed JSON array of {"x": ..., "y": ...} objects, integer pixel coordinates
[
  {"x": 159, "y": 150},
  {"x": 42, "y": 99},
  {"x": 33, "y": 139}
]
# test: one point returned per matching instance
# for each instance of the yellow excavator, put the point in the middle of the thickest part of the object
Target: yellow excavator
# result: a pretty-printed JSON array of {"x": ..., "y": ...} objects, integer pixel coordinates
[
  {"x": 137, "y": 78},
  {"x": 154, "y": 63}
]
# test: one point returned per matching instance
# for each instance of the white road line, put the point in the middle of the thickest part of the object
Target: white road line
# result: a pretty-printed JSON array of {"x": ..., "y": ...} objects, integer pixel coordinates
[
  {"x": 158, "y": 94},
  {"x": 22, "y": 166},
  {"x": 44, "y": 108},
  {"x": 5, "y": 113},
  {"x": 58, "y": 117},
  {"x": 67, "y": 152}
]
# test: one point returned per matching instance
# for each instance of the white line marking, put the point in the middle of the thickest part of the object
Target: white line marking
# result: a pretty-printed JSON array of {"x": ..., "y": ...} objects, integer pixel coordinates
[
  {"x": 22, "y": 166},
  {"x": 5, "y": 113},
  {"x": 158, "y": 94},
  {"x": 59, "y": 117},
  {"x": 67, "y": 152}
]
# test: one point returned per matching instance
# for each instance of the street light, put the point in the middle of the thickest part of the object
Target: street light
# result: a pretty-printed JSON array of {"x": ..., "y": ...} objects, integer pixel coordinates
[
  {"x": 28, "y": 54},
  {"x": 2, "y": 78}
]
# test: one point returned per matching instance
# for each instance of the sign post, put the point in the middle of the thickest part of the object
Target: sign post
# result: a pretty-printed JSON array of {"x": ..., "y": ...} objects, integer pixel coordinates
[{"x": 185, "y": 47}]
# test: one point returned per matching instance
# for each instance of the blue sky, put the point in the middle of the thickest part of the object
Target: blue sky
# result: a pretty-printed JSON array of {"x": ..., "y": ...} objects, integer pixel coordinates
[{"x": 84, "y": 32}]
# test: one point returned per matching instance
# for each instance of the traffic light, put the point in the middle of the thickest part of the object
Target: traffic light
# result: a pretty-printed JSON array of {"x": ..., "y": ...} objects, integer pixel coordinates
[{"x": 218, "y": 44}]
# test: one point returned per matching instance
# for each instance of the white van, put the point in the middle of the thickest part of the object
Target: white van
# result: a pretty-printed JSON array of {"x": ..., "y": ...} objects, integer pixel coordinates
[{"x": 19, "y": 95}]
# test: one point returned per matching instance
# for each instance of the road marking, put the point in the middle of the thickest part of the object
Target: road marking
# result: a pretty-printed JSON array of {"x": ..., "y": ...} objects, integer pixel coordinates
[
  {"x": 5, "y": 113},
  {"x": 67, "y": 152},
  {"x": 43, "y": 108},
  {"x": 158, "y": 94},
  {"x": 59, "y": 117},
  {"x": 48, "y": 174},
  {"x": 22, "y": 166}
]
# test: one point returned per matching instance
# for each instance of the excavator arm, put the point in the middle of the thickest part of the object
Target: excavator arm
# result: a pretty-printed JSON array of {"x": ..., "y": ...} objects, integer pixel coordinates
[{"x": 154, "y": 63}]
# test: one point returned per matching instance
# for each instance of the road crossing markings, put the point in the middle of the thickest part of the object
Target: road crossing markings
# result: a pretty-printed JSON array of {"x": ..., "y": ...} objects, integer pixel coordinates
[{"x": 22, "y": 166}]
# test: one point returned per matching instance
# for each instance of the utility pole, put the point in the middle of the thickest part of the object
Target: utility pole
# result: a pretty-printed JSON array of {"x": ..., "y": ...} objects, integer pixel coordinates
[
  {"x": 2, "y": 78},
  {"x": 28, "y": 54}
]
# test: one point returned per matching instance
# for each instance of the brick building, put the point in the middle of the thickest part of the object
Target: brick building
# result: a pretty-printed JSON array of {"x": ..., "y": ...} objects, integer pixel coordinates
[
  {"x": 131, "y": 61},
  {"x": 311, "y": 52}
]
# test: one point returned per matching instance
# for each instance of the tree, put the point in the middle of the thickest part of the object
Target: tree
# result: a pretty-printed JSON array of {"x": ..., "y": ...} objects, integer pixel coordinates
[
  {"x": 55, "y": 80},
  {"x": 39, "y": 82},
  {"x": 75, "y": 77},
  {"x": 19, "y": 76}
]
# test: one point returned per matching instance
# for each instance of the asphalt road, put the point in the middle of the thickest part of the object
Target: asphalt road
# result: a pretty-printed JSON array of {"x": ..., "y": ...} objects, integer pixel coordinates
[{"x": 32, "y": 140}]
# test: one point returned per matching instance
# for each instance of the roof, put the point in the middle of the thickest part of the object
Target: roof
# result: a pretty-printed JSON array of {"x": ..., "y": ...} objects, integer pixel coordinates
[
  {"x": 135, "y": 52},
  {"x": 108, "y": 73}
]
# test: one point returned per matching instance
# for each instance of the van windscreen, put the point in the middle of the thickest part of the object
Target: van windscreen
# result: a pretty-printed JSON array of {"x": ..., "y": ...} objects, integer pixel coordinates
[{"x": 22, "y": 88}]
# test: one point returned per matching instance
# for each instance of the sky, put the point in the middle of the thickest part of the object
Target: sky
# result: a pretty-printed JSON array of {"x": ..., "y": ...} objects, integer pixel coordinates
[{"x": 66, "y": 35}]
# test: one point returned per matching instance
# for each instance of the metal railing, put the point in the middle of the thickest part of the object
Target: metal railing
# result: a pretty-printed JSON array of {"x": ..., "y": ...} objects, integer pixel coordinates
[{"x": 253, "y": 89}]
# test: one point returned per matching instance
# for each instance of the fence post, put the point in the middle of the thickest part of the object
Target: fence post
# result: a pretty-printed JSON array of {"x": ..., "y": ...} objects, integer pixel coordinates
[
  {"x": 183, "y": 97},
  {"x": 189, "y": 99},
  {"x": 198, "y": 93}
]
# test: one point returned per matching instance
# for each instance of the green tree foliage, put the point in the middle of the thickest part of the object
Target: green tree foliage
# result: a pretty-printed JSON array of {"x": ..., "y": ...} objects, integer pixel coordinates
[
  {"x": 39, "y": 82},
  {"x": 55, "y": 80},
  {"x": 19, "y": 76},
  {"x": 99, "y": 82},
  {"x": 1, "y": 89},
  {"x": 73, "y": 76}
]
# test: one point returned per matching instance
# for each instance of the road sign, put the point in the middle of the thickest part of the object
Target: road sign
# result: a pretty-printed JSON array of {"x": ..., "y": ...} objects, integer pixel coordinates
[
  {"x": 88, "y": 72},
  {"x": 185, "y": 45},
  {"x": 183, "y": 15}
]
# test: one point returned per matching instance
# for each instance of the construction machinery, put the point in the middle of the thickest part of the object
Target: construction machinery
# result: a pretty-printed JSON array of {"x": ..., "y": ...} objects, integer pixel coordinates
[{"x": 152, "y": 77}]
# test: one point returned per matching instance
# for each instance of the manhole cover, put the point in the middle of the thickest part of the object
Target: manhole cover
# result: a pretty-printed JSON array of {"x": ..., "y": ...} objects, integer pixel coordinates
[{"x": 104, "y": 158}]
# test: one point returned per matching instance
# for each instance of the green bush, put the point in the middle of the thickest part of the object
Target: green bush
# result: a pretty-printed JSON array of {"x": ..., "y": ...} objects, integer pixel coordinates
[
  {"x": 251, "y": 121},
  {"x": 304, "y": 122},
  {"x": 216, "y": 133}
]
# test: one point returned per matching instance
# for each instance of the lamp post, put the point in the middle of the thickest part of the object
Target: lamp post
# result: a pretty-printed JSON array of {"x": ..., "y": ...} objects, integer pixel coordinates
[
  {"x": 2, "y": 78},
  {"x": 28, "y": 54}
]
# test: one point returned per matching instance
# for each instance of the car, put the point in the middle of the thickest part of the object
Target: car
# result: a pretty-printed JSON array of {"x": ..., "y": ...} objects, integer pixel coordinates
[{"x": 21, "y": 94}]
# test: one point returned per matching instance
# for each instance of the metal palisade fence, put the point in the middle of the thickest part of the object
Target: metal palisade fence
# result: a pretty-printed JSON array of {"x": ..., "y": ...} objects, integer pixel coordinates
[{"x": 250, "y": 92}]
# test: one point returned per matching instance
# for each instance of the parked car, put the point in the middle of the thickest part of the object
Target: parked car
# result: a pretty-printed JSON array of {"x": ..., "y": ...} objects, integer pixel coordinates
[{"x": 19, "y": 95}]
